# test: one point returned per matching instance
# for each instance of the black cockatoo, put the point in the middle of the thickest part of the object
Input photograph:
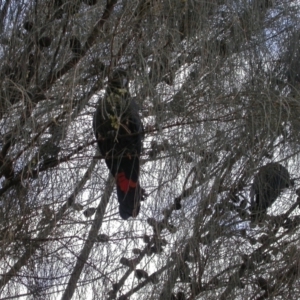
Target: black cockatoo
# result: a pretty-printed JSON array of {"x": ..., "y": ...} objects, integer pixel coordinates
[
  {"x": 267, "y": 186},
  {"x": 119, "y": 133}
]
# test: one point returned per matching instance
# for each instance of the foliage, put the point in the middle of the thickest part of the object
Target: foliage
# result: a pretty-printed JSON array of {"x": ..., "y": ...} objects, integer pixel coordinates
[{"x": 218, "y": 87}]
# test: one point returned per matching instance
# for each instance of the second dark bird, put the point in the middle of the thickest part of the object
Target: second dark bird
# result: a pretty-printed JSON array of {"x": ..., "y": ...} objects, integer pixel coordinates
[
  {"x": 267, "y": 185},
  {"x": 119, "y": 133}
]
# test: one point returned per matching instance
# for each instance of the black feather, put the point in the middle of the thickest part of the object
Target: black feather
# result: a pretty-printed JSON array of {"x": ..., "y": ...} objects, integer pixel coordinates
[{"x": 119, "y": 132}]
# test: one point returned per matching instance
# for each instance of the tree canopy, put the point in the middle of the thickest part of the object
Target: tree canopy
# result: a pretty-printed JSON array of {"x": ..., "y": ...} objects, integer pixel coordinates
[{"x": 217, "y": 83}]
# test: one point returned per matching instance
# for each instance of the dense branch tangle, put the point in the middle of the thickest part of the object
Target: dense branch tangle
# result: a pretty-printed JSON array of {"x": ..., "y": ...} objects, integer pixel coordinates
[{"x": 218, "y": 87}]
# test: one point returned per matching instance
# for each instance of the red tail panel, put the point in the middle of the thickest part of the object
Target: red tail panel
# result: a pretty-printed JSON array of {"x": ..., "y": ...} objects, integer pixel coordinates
[{"x": 125, "y": 184}]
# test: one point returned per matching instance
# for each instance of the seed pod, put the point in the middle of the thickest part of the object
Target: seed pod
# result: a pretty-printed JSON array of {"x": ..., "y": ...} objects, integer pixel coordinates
[
  {"x": 139, "y": 274},
  {"x": 146, "y": 238},
  {"x": 102, "y": 238},
  {"x": 131, "y": 263},
  {"x": 157, "y": 249},
  {"x": 45, "y": 42},
  {"x": 77, "y": 206},
  {"x": 28, "y": 25},
  {"x": 89, "y": 212},
  {"x": 153, "y": 278},
  {"x": 177, "y": 205},
  {"x": 136, "y": 251}
]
